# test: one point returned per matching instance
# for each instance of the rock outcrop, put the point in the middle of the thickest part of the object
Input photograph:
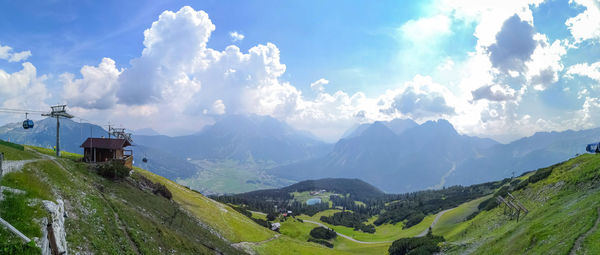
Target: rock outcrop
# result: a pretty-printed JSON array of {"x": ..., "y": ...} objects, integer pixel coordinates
[{"x": 54, "y": 234}]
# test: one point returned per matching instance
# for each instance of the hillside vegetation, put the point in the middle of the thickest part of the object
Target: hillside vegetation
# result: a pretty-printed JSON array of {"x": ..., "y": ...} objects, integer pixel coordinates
[{"x": 563, "y": 207}]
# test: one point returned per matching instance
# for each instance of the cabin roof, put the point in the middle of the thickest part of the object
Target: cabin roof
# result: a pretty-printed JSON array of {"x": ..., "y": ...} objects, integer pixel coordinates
[{"x": 105, "y": 143}]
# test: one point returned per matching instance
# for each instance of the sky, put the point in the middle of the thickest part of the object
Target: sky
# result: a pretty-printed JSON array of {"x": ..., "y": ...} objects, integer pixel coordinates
[{"x": 497, "y": 69}]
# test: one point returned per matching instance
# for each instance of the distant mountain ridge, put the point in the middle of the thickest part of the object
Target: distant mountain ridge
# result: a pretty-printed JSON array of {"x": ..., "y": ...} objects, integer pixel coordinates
[
  {"x": 242, "y": 137},
  {"x": 358, "y": 189},
  {"x": 525, "y": 154},
  {"x": 413, "y": 158}
]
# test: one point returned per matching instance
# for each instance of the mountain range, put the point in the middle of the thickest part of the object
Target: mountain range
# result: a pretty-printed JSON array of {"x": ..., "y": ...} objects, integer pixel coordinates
[
  {"x": 402, "y": 156},
  {"x": 242, "y": 138},
  {"x": 396, "y": 156}
]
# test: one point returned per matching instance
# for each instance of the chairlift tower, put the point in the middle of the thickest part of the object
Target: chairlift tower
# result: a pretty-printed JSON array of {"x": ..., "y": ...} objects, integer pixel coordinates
[
  {"x": 120, "y": 133},
  {"x": 58, "y": 111}
]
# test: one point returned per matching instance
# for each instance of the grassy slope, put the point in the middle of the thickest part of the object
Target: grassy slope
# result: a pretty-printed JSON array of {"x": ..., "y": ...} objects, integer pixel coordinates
[
  {"x": 234, "y": 226},
  {"x": 450, "y": 223},
  {"x": 11, "y": 153},
  {"x": 562, "y": 207},
  {"x": 105, "y": 216}
]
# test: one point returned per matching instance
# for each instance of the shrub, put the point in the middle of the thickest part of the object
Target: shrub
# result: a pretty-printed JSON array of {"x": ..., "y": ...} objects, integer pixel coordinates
[
  {"x": 322, "y": 233},
  {"x": 501, "y": 192},
  {"x": 541, "y": 174},
  {"x": 162, "y": 190},
  {"x": 368, "y": 228},
  {"x": 349, "y": 219},
  {"x": 488, "y": 204},
  {"x": 321, "y": 242},
  {"x": 113, "y": 170},
  {"x": 271, "y": 216},
  {"x": 521, "y": 184},
  {"x": 262, "y": 222},
  {"x": 243, "y": 211},
  {"x": 414, "y": 219},
  {"x": 416, "y": 245},
  {"x": 20, "y": 248}
]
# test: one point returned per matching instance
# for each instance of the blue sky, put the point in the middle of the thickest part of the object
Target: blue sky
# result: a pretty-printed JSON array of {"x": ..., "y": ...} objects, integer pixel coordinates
[{"x": 499, "y": 70}]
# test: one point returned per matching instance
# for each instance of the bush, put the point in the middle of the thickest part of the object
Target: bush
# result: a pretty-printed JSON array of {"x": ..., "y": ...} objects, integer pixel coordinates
[
  {"x": 521, "y": 184},
  {"x": 540, "y": 174},
  {"x": 262, "y": 222},
  {"x": 162, "y": 190},
  {"x": 414, "y": 219},
  {"x": 20, "y": 248},
  {"x": 113, "y": 170},
  {"x": 271, "y": 216},
  {"x": 321, "y": 242},
  {"x": 243, "y": 211},
  {"x": 488, "y": 204},
  {"x": 368, "y": 228},
  {"x": 322, "y": 233},
  {"x": 349, "y": 219},
  {"x": 501, "y": 192},
  {"x": 416, "y": 245}
]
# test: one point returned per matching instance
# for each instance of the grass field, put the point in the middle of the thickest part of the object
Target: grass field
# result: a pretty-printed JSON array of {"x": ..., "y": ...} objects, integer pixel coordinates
[
  {"x": 385, "y": 232},
  {"x": 299, "y": 233}
]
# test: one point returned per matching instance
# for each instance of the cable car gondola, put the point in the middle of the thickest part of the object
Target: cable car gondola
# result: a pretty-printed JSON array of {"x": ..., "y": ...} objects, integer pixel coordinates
[{"x": 27, "y": 123}]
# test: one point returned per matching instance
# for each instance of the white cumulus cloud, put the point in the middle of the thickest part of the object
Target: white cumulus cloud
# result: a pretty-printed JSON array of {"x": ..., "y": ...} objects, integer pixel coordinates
[
  {"x": 591, "y": 71},
  {"x": 318, "y": 84},
  {"x": 7, "y": 53},
  {"x": 586, "y": 25},
  {"x": 96, "y": 88},
  {"x": 23, "y": 89},
  {"x": 236, "y": 37}
]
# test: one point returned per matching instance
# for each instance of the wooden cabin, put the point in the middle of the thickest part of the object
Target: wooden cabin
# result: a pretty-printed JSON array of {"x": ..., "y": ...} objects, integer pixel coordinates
[{"x": 107, "y": 149}]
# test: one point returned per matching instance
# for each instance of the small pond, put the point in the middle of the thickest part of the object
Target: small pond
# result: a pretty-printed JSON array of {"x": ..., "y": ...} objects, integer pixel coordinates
[{"x": 313, "y": 201}]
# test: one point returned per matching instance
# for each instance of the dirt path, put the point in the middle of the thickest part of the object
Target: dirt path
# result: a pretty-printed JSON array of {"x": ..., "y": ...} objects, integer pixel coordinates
[
  {"x": 582, "y": 237},
  {"x": 345, "y": 236},
  {"x": 437, "y": 218}
]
